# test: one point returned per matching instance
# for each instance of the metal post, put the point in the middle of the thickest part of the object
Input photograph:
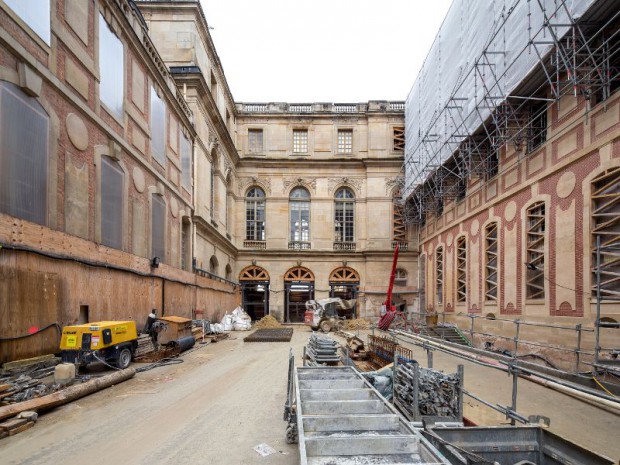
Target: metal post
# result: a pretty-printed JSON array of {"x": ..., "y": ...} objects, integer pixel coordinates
[
  {"x": 515, "y": 379},
  {"x": 598, "y": 303},
  {"x": 416, "y": 381},
  {"x": 429, "y": 355},
  {"x": 518, "y": 323},
  {"x": 394, "y": 371},
  {"x": 460, "y": 369},
  {"x": 578, "y": 348},
  {"x": 471, "y": 328}
]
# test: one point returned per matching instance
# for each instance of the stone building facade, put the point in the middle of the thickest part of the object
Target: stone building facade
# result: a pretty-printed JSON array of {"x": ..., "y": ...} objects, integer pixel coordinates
[{"x": 126, "y": 173}]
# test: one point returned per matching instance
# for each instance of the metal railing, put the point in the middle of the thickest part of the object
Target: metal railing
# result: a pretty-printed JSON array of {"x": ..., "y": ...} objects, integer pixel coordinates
[
  {"x": 255, "y": 245},
  {"x": 517, "y": 342},
  {"x": 403, "y": 246},
  {"x": 344, "y": 245},
  {"x": 299, "y": 245}
]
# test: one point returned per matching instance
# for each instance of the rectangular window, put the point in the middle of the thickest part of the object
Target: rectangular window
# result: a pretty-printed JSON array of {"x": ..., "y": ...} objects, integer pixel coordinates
[
  {"x": 490, "y": 264},
  {"x": 112, "y": 179},
  {"x": 158, "y": 227},
  {"x": 158, "y": 127},
  {"x": 24, "y": 151},
  {"x": 36, "y": 14},
  {"x": 255, "y": 140},
  {"x": 345, "y": 140},
  {"x": 399, "y": 139},
  {"x": 111, "y": 69},
  {"x": 536, "y": 251},
  {"x": 186, "y": 162},
  {"x": 461, "y": 270},
  {"x": 300, "y": 141},
  {"x": 439, "y": 275},
  {"x": 255, "y": 220}
]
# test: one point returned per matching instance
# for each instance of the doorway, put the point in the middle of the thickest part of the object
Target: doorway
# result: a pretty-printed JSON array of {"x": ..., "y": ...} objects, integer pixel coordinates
[
  {"x": 299, "y": 288},
  {"x": 344, "y": 282},
  {"x": 255, "y": 291}
]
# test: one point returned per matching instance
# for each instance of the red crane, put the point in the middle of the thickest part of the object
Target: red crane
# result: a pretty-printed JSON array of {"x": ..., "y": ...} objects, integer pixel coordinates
[{"x": 390, "y": 310}]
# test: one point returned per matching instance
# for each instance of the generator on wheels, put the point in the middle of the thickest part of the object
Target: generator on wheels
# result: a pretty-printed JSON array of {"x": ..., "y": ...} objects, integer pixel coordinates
[{"x": 112, "y": 342}]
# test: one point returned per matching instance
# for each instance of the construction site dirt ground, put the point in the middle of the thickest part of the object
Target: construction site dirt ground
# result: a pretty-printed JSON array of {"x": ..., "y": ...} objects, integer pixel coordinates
[{"x": 226, "y": 398}]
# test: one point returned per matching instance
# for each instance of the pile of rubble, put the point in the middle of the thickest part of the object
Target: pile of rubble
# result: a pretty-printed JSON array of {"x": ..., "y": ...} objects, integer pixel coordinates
[
  {"x": 358, "y": 323},
  {"x": 267, "y": 322}
]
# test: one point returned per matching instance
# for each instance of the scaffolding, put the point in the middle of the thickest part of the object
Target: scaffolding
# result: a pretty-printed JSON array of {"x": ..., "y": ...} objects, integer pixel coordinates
[{"x": 488, "y": 81}]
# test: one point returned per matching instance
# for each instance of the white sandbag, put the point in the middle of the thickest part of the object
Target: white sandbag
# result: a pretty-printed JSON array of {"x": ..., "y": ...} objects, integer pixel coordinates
[
  {"x": 242, "y": 325},
  {"x": 217, "y": 328},
  {"x": 227, "y": 322}
]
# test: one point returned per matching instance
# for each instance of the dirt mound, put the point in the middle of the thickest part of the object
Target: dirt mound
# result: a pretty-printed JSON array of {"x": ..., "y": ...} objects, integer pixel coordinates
[
  {"x": 267, "y": 322},
  {"x": 358, "y": 323}
]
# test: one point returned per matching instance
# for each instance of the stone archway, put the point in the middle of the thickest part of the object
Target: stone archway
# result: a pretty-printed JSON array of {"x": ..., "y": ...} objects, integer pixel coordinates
[
  {"x": 344, "y": 283},
  {"x": 254, "y": 282},
  {"x": 298, "y": 288}
]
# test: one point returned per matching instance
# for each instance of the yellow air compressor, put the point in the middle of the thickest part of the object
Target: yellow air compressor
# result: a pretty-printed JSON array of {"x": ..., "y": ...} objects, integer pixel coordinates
[{"x": 113, "y": 342}]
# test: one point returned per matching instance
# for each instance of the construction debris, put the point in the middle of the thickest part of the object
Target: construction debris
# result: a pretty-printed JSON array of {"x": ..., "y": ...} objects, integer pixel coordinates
[
  {"x": 423, "y": 392},
  {"x": 358, "y": 323},
  {"x": 270, "y": 335},
  {"x": 322, "y": 350},
  {"x": 18, "y": 388},
  {"x": 267, "y": 322},
  {"x": 67, "y": 395},
  {"x": 13, "y": 426}
]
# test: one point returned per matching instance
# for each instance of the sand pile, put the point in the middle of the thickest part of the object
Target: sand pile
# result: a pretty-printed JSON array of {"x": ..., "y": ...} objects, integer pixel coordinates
[
  {"x": 267, "y": 322},
  {"x": 358, "y": 323}
]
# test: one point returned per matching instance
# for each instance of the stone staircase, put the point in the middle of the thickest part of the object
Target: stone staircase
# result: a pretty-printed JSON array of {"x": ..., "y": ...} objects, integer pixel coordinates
[{"x": 446, "y": 333}]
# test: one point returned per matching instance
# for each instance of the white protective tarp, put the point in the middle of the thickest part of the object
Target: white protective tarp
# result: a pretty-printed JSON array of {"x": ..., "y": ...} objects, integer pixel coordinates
[{"x": 450, "y": 90}]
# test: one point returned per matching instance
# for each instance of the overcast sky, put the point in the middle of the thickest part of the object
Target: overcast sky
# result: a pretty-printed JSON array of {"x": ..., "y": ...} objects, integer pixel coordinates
[{"x": 322, "y": 50}]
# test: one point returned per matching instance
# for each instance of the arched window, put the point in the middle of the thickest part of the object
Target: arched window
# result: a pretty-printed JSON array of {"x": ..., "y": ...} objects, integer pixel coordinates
[
  {"x": 213, "y": 265},
  {"x": 344, "y": 215},
  {"x": 24, "y": 152},
  {"x": 299, "y": 207},
  {"x": 400, "y": 278},
  {"x": 112, "y": 188},
  {"x": 255, "y": 214}
]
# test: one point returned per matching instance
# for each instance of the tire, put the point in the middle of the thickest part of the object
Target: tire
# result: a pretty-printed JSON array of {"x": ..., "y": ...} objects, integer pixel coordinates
[
  {"x": 124, "y": 358},
  {"x": 325, "y": 326}
]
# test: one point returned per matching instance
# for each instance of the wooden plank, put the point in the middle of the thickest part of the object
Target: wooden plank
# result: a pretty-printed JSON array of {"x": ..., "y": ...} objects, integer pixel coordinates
[{"x": 15, "y": 431}]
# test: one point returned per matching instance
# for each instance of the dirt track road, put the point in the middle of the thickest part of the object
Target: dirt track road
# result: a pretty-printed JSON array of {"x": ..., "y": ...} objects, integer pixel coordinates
[{"x": 228, "y": 397}]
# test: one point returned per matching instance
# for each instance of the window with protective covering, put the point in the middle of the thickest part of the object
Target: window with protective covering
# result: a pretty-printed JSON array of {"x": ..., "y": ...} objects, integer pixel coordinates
[
  {"x": 535, "y": 285},
  {"x": 344, "y": 218},
  {"x": 461, "y": 270},
  {"x": 490, "y": 262},
  {"x": 299, "y": 205},
  {"x": 255, "y": 215},
  {"x": 158, "y": 127},
  {"x": 112, "y": 188},
  {"x": 400, "y": 277},
  {"x": 606, "y": 232},
  {"x": 158, "y": 227},
  {"x": 24, "y": 154},
  {"x": 186, "y": 162},
  {"x": 439, "y": 275},
  {"x": 111, "y": 69},
  {"x": 36, "y": 14},
  {"x": 255, "y": 140}
]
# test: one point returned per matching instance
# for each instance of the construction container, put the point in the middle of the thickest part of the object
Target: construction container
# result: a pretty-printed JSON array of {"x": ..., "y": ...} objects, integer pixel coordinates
[{"x": 177, "y": 327}]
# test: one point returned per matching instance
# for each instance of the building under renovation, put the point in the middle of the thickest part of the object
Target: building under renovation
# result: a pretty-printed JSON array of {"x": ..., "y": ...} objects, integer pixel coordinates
[
  {"x": 513, "y": 167},
  {"x": 130, "y": 180}
]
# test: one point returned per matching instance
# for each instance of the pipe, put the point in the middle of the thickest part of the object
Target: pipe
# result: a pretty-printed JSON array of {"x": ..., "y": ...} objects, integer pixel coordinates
[{"x": 597, "y": 400}]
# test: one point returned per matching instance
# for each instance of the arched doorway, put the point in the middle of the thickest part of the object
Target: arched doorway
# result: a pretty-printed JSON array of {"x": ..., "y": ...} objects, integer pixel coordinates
[
  {"x": 299, "y": 288},
  {"x": 255, "y": 291},
  {"x": 344, "y": 282}
]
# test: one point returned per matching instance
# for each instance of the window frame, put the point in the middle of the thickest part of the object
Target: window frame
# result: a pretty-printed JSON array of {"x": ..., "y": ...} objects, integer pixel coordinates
[
  {"x": 161, "y": 251},
  {"x": 491, "y": 261},
  {"x": 535, "y": 240},
  {"x": 117, "y": 108},
  {"x": 439, "y": 274},
  {"x": 461, "y": 269},
  {"x": 253, "y": 204},
  {"x": 344, "y": 147},
  {"x": 256, "y": 150},
  {"x": 298, "y": 205},
  {"x": 103, "y": 192},
  {"x": 157, "y": 103},
  {"x": 346, "y": 232},
  {"x": 299, "y": 145},
  {"x": 21, "y": 9}
]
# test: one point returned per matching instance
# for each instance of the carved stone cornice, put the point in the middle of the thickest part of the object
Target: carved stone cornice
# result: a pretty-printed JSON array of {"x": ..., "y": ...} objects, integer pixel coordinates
[
  {"x": 309, "y": 183},
  {"x": 355, "y": 183},
  {"x": 262, "y": 181},
  {"x": 396, "y": 182}
]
